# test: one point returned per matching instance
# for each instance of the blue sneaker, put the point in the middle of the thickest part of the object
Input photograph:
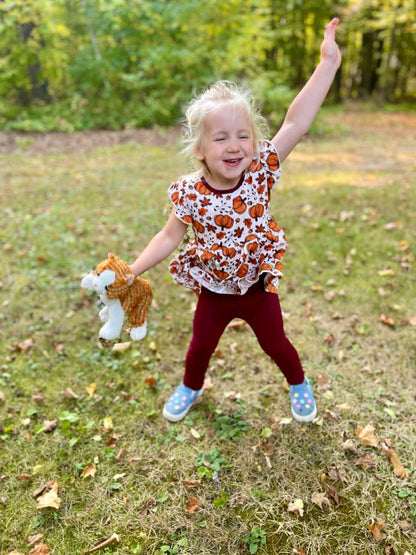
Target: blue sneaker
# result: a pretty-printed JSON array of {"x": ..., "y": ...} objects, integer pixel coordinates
[
  {"x": 302, "y": 401},
  {"x": 178, "y": 405}
]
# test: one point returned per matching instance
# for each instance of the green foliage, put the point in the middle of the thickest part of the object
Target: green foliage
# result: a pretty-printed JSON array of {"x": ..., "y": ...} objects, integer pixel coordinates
[
  {"x": 256, "y": 538},
  {"x": 230, "y": 426},
  {"x": 72, "y": 64}
]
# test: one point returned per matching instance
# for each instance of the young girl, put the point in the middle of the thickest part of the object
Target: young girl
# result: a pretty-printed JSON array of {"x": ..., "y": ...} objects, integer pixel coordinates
[{"x": 234, "y": 263}]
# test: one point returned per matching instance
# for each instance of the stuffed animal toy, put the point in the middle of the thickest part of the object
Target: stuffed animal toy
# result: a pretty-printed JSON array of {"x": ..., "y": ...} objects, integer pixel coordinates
[{"x": 123, "y": 296}]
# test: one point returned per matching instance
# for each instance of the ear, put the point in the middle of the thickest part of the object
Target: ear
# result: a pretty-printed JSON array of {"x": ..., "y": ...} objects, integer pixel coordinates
[{"x": 198, "y": 153}]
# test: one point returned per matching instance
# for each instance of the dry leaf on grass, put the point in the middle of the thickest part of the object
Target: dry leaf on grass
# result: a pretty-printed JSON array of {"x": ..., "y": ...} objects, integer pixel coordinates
[
  {"x": 398, "y": 468},
  {"x": 367, "y": 436},
  {"x": 191, "y": 484},
  {"x": 320, "y": 499},
  {"x": 34, "y": 539},
  {"x": 332, "y": 492},
  {"x": 366, "y": 461},
  {"x": 192, "y": 505},
  {"x": 376, "y": 530},
  {"x": 296, "y": 507},
  {"x": 40, "y": 549},
  {"x": 89, "y": 470},
  {"x": 50, "y": 499},
  {"x": 90, "y": 389},
  {"x": 69, "y": 394},
  {"x": 121, "y": 347}
]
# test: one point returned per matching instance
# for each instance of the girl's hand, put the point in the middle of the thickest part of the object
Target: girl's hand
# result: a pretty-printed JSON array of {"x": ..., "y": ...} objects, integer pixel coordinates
[{"x": 329, "y": 49}]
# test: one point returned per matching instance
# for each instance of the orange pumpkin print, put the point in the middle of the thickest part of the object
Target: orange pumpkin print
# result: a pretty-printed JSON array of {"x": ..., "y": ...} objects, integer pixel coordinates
[
  {"x": 239, "y": 205},
  {"x": 202, "y": 188},
  {"x": 274, "y": 226},
  {"x": 273, "y": 161},
  {"x": 198, "y": 226},
  {"x": 224, "y": 221},
  {"x": 256, "y": 211},
  {"x": 220, "y": 274},
  {"x": 242, "y": 270},
  {"x": 229, "y": 252}
]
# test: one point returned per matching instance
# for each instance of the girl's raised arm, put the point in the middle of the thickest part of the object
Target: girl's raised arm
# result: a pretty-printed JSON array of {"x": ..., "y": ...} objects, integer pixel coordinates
[{"x": 305, "y": 106}]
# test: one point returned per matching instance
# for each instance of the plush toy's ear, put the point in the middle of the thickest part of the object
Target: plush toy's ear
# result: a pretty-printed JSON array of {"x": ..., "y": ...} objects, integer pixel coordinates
[
  {"x": 130, "y": 279},
  {"x": 111, "y": 256}
]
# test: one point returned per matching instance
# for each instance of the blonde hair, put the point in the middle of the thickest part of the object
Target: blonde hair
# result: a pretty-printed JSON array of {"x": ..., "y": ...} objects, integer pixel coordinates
[{"x": 210, "y": 100}]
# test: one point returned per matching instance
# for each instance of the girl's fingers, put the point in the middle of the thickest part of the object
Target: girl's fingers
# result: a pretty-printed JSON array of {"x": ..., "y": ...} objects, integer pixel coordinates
[{"x": 331, "y": 28}]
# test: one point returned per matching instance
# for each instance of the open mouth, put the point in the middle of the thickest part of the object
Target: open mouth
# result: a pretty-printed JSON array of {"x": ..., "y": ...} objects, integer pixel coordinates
[{"x": 233, "y": 162}]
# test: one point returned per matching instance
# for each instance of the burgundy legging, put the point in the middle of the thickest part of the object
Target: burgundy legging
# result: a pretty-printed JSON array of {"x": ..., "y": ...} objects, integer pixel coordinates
[{"x": 261, "y": 310}]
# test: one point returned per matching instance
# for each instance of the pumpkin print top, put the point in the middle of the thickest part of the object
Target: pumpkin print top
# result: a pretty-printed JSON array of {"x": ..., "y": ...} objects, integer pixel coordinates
[{"x": 235, "y": 238}]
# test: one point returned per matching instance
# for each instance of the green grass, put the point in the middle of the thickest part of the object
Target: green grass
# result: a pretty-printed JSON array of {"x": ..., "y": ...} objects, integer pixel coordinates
[{"x": 222, "y": 480}]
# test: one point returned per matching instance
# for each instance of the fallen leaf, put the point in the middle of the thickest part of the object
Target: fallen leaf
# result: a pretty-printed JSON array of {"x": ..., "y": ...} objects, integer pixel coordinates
[
  {"x": 50, "y": 498},
  {"x": 101, "y": 545},
  {"x": 148, "y": 504},
  {"x": 89, "y": 470},
  {"x": 108, "y": 423},
  {"x": 324, "y": 383},
  {"x": 367, "y": 436},
  {"x": 49, "y": 425},
  {"x": 320, "y": 499},
  {"x": 366, "y": 461},
  {"x": 208, "y": 384},
  {"x": 2, "y": 397},
  {"x": 23, "y": 477},
  {"x": 69, "y": 394},
  {"x": 405, "y": 525},
  {"x": 332, "y": 492},
  {"x": 152, "y": 346},
  {"x": 34, "y": 539},
  {"x": 376, "y": 530},
  {"x": 40, "y": 549},
  {"x": 337, "y": 475},
  {"x": 113, "y": 440},
  {"x": 390, "y": 550},
  {"x": 386, "y": 320},
  {"x": 412, "y": 321},
  {"x": 298, "y": 550},
  {"x": 191, "y": 484},
  {"x": 90, "y": 389},
  {"x": 23, "y": 346},
  {"x": 121, "y": 347},
  {"x": 150, "y": 380},
  {"x": 296, "y": 507},
  {"x": 38, "y": 397},
  {"x": 192, "y": 505},
  {"x": 398, "y": 468}
]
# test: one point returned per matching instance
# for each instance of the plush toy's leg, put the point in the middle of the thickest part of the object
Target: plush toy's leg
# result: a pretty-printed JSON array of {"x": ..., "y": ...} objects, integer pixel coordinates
[
  {"x": 112, "y": 328},
  {"x": 104, "y": 314},
  {"x": 138, "y": 333}
]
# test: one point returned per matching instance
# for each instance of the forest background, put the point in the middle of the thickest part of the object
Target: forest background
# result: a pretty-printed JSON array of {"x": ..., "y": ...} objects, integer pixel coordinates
[{"x": 119, "y": 64}]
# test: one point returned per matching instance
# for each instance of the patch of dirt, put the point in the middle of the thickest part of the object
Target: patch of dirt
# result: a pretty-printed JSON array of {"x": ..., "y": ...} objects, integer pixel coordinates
[{"x": 83, "y": 141}]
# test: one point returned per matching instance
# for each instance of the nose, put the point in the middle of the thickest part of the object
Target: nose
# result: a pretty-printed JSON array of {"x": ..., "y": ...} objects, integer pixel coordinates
[{"x": 233, "y": 146}]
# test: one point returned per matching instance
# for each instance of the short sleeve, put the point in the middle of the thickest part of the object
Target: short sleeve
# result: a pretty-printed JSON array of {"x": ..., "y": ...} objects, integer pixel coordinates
[
  {"x": 178, "y": 195},
  {"x": 266, "y": 166}
]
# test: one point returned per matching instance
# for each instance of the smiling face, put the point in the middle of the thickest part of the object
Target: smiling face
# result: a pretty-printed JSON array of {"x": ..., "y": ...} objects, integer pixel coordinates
[{"x": 226, "y": 148}]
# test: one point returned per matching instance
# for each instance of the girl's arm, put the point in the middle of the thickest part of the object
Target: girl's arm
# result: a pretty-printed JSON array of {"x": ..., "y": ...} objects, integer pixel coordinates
[
  {"x": 304, "y": 108},
  {"x": 161, "y": 246}
]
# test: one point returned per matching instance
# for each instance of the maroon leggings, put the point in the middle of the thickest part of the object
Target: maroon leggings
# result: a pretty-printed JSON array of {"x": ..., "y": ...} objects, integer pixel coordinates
[{"x": 261, "y": 310}]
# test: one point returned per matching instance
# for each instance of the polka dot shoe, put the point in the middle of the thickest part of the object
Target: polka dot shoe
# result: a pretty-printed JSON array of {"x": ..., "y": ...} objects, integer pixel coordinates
[
  {"x": 180, "y": 402},
  {"x": 302, "y": 401}
]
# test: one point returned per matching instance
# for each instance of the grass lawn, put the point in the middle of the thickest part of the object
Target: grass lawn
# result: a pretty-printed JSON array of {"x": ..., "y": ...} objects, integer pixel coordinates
[{"x": 86, "y": 459}]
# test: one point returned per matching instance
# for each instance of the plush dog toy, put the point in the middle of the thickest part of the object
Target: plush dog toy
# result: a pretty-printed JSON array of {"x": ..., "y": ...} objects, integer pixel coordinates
[{"x": 123, "y": 296}]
